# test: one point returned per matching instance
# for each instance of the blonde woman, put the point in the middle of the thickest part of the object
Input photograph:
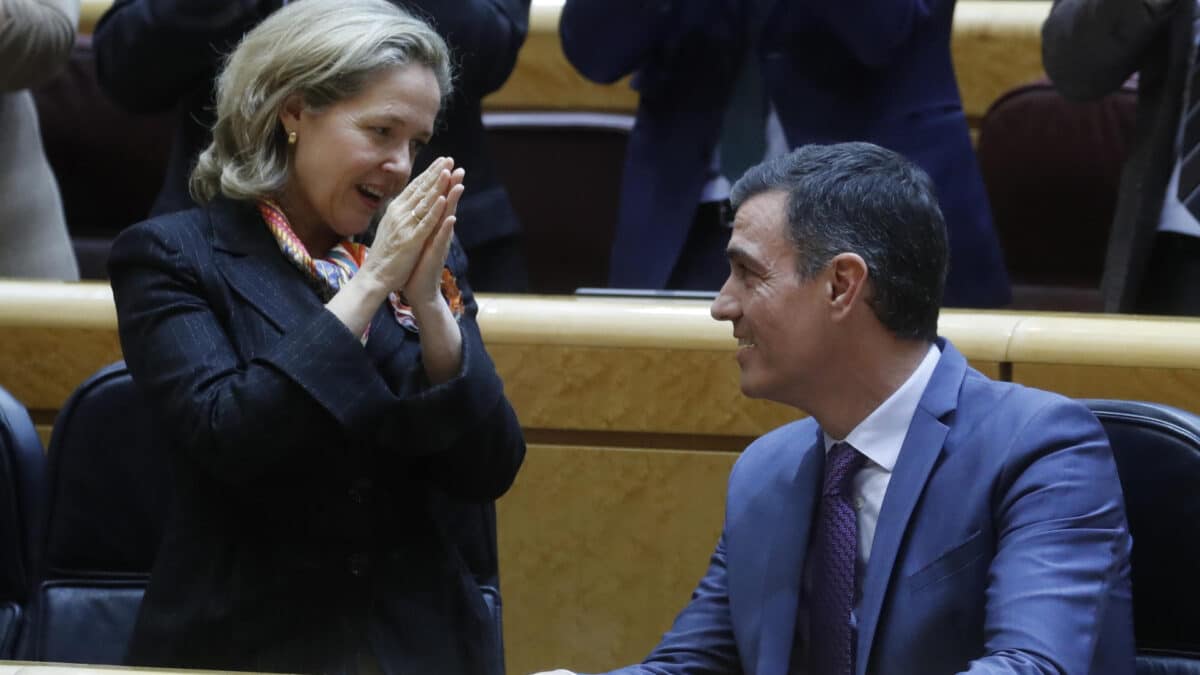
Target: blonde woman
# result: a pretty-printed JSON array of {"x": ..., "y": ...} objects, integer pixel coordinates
[{"x": 333, "y": 409}]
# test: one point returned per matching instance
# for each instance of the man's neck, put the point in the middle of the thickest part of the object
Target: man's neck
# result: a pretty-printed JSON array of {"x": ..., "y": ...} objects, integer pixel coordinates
[{"x": 871, "y": 373}]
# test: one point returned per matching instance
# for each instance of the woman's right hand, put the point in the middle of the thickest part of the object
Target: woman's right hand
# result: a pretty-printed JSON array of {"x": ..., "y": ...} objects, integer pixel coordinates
[{"x": 406, "y": 225}]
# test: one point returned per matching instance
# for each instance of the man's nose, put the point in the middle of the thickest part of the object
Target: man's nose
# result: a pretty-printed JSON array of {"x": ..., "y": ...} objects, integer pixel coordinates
[{"x": 724, "y": 307}]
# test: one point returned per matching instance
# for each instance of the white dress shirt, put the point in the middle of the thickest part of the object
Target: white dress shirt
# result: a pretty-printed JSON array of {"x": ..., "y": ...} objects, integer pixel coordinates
[{"x": 879, "y": 437}]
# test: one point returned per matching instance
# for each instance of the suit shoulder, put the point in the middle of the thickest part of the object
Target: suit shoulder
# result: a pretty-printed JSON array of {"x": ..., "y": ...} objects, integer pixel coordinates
[
  {"x": 777, "y": 448},
  {"x": 172, "y": 236},
  {"x": 1033, "y": 420},
  {"x": 1011, "y": 399},
  {"x": 169, "y": 228}
]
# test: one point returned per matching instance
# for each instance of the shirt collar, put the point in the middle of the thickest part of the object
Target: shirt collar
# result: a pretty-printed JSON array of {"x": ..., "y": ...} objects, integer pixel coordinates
[{"x": 881, "y": 434}]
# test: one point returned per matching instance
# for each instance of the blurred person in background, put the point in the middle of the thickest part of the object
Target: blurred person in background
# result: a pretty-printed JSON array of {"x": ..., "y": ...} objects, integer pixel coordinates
[
  {"x": 36, "y": 37},
  {"x": 723, "y": 84},
  {"x": 332, "y": 409},
  {"x": 1090, "y": 48},
  {"x": 161, "y": 55}
]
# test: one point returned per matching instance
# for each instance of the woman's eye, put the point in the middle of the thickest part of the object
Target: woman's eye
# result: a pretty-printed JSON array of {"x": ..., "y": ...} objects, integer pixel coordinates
[
  {"x": 415, "y": 147},
  {"x": 382, "y": 131}
]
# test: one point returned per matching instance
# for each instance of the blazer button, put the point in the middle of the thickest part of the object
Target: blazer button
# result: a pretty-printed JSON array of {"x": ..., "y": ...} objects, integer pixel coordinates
[{"x": 358, "y": 564}]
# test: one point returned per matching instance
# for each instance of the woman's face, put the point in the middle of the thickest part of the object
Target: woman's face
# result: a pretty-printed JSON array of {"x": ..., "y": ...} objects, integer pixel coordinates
[{"x": 352, "y": 157}]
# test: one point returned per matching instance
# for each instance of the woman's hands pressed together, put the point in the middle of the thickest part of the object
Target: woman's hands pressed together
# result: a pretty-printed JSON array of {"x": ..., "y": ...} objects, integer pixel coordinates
[
  {"x": 409, "y": 252},
  {"x": 424, "y": 284},
  {"x": 411, "y": 223}
]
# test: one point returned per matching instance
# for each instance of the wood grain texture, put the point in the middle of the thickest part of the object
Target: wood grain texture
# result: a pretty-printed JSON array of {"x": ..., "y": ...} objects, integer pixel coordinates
[
  {"x": 1179, "y": 387},
  {"x": 42, "y": 365},
  {"x": 995, "y": 45},
  {"x": 603, "y": 537},
  {"x": 600, "y": 548}
]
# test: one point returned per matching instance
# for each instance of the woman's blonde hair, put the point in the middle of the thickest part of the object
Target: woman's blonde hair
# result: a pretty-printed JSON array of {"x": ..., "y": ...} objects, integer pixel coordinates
[{"x": 324, "y": 50}]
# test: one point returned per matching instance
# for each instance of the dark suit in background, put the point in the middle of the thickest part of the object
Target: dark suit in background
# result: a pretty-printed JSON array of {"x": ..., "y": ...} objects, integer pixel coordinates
[
  {"x": 835, "y": 71},
  {"x": 319, "y": 484},
  {"x": 1090, "y": 48},
  {"x": 158, "y": 55}
]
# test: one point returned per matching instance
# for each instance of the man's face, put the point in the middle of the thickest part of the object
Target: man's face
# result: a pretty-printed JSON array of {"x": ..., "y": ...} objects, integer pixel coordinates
[{"x": 780, "y": 321}]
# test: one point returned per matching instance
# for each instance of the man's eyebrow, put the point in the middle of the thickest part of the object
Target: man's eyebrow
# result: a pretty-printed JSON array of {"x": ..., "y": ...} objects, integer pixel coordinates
[{"x": 738, "y": 254}]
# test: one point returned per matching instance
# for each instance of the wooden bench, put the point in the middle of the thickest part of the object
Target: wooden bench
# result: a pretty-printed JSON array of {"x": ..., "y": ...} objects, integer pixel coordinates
[{"x": 633, "y": 417}]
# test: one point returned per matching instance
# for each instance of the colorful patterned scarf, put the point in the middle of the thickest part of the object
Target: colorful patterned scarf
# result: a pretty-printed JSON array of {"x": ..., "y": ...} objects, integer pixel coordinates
[{"x": 328, "y": 274}]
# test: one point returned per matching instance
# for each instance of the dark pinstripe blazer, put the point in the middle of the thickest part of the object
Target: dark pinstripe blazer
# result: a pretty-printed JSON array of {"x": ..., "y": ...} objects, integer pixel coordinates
[{"x": 316, "y": 480}]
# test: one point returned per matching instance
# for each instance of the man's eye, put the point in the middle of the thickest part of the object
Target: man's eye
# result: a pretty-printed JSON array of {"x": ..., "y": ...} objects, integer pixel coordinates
[
  {"x": 416, "y": 147},
  {"x": 382, "y": 131}
]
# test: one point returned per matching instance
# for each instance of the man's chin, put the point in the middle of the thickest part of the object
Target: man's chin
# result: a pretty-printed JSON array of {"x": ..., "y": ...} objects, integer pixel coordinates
[{"x": 749, "y": 390}]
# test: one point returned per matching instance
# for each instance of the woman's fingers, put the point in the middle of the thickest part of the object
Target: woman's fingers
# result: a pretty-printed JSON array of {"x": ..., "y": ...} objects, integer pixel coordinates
[
  {"x": 425, "y": 282},
  {"x": 452, "y": 200},
  {"x": 431, "y": 219},
  {"x": 455, "y": 190},
  {"x": 419, "y": 186},
  {"x": 426, "y": 194}
]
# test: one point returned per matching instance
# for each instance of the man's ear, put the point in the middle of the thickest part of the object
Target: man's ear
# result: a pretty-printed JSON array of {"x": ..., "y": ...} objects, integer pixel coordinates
[
  {"x": 847, "y": 282},
  {"x": 290, "y": 111}
]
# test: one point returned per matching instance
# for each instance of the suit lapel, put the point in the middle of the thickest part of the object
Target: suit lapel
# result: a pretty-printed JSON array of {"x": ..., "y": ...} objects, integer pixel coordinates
[
  {"x": 789, "y": 522},
  {"x": 920, "y": 451},
  {"x": 251, "y": 262}
]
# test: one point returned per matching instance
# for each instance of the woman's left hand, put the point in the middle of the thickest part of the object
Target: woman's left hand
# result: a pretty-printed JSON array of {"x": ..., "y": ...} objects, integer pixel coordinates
[{"x": 425, "y": 284}]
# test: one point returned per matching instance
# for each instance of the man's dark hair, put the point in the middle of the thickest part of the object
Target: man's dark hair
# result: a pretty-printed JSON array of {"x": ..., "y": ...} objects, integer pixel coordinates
[{"x": 861, "y": 198}]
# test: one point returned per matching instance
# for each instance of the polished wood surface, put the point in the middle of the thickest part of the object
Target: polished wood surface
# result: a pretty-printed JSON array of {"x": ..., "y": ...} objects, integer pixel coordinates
[
  {"x": 599, "y": 548},
  {"x": 996, "y": 45},
  {"x": 634, "y": 418}
]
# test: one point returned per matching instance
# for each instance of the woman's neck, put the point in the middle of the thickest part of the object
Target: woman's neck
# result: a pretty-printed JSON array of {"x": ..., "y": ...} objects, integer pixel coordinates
[{"x": 316, "y": 236}]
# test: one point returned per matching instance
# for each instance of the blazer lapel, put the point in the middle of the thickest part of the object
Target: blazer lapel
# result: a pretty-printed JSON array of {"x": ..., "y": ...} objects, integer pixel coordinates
[
  {"x": 256, "y": 269},
  {"x": 789, "y": 522},
  {"x": 921, "y": 448}
]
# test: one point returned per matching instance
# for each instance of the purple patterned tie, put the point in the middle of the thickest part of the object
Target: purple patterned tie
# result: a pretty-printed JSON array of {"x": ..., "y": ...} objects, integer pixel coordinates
[{"x": 835, "y": 552}]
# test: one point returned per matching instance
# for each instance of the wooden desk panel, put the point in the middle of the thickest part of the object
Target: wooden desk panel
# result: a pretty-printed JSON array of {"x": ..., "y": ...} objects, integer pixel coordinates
[
  {"x": 1179, "y": 387},
  {"x": 600, "y": 548},
  {"x": 42, "y": 365},
  {"x": 996, "y": 45},
  {"x": 1110, "y": 356},
  {"x": 638, "y": 390},
  {"x": 609, "y": 527}
]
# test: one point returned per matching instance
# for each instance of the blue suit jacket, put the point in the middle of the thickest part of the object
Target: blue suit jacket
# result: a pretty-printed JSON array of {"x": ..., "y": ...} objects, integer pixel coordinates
[
  {"x": 836, "y": 71},
  {"x": 324, "y": 491},
  {"x": 1001, "y": 546}
]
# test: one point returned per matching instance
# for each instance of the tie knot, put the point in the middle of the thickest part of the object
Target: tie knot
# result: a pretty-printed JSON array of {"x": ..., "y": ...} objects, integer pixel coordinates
[{"x": 842, "y": 462}]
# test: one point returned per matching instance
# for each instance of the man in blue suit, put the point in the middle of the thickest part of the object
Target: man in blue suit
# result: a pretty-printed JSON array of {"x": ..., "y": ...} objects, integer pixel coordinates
[
  {"x": 925, "y": 519},
  {"x": 827, "y": 71}
]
